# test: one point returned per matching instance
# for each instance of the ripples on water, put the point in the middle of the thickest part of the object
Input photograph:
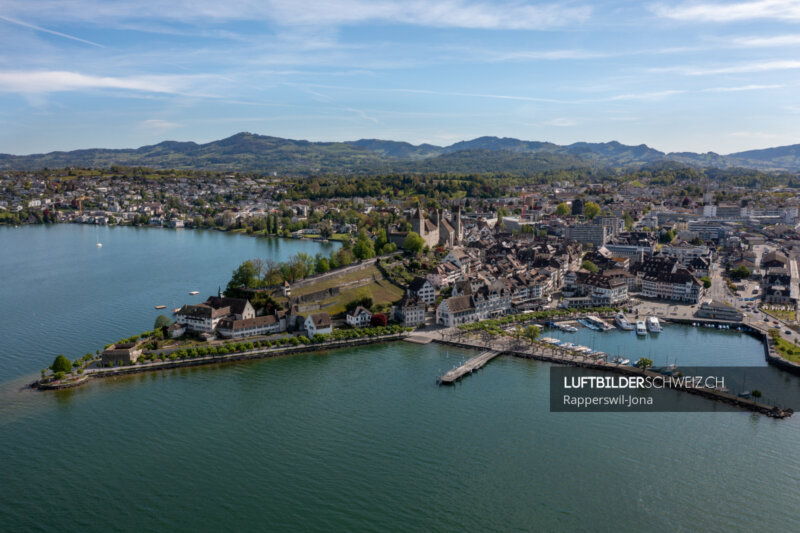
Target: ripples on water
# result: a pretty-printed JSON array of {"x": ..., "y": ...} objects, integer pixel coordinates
[{"x": 361, "y": 440}]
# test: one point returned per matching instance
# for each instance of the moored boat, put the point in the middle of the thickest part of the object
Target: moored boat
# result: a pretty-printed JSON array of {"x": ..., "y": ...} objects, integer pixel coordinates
[
  {"x": 622, "y": 322},
  {"x": 653, "y": 325},
  {"x": 641, "y": 329}
]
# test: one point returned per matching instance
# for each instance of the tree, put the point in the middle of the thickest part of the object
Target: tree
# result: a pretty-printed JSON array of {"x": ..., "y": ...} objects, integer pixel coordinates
[
  {"x": 413, "y": 243},
  {"x": 378, "y": 319},
  {"x": 326, "y": 229},
  {"x": 562, "y": 209},
  {"x": 245, "y": 275},
  {"x": 628, "y": 221},
  {"x": 706, "y": 282},
  {"x": 162, "y": 321},
  {"x": 61, "y": 364},
  {"x": 363, "y": 248},
  {"x": 756, "y": 393},
  {"x": 588, "y": 265},
  {"x": 591, "y": 210},
  {"x": 323, "y": 265},
  {"x": 644, "y": 362},
  {"x": 380, "y": 240},
  {"x": 531, "y": 333},
  {"x": 666, "y": 237},
  {"x": 740, "y": 272}
]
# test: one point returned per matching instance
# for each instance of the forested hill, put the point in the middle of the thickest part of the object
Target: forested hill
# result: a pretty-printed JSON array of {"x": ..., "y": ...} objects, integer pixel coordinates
[{"x": 248, "y": 152}]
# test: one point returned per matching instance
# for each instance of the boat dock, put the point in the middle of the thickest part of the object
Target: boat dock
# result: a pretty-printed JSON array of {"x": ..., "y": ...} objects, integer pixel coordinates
[
  {"x": 567, "y": 356},
  {"x": 471, "y": 365}
]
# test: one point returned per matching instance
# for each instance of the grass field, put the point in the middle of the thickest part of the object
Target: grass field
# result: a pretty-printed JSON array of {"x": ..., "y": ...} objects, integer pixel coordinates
[{"x": 383, "y": 291}]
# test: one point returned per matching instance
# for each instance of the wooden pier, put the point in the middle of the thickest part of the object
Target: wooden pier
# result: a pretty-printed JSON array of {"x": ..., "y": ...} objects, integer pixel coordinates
[{"x": 471, "y": 365}]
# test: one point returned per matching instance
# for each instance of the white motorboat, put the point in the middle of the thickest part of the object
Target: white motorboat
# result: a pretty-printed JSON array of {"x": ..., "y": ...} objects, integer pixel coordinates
[
  {"x": 623, "y": 322},
  {"x": 653, "y": 325}
]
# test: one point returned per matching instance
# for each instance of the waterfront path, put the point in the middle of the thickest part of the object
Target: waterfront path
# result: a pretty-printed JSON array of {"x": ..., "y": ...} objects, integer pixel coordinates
[{"x": 470, "y": 366}]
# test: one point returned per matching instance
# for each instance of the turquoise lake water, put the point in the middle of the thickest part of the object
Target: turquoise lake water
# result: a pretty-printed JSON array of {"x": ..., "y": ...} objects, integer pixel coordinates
[{"x": 355, "y": 440}]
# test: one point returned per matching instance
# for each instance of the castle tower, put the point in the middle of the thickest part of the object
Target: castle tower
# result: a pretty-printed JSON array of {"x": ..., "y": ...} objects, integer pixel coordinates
[{"x": 418, "y": 222}]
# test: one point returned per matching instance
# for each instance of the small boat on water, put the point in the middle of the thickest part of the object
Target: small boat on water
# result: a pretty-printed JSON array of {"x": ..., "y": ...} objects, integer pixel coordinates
[
  {"x": 621, "y": 361},
  {"x": 99, "y": 244},
  {"x": 599, "y": 323},
  {"x": 641, "y": 329},
  {"x": 176, "y": 310},
  {"x": 653, "y": 325},
  {"x": 585, "y": 323},
  {"x": 567, "y": 328},
  {"x": 161, "y": 307},
  {"x": 622, "y": 322},
  {"x": 194, "y": 292}
]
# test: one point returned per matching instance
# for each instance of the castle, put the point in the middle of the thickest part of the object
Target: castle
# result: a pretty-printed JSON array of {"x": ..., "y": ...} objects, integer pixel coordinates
[{"x": 436, "y": 229}]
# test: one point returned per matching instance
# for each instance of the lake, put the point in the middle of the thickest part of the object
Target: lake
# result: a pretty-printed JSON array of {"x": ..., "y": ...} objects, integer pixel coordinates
[{"x": 351, "y": 440}]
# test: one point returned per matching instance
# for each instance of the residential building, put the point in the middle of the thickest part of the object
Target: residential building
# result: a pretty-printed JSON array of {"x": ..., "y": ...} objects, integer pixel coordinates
[
  {"x": 409, "y": 311},
  {"x": 455, "y": 311},
  {"x": 318, "y": 323},
  {"x": 422, "y": 289},
  {"x": 359, "y": 317}
]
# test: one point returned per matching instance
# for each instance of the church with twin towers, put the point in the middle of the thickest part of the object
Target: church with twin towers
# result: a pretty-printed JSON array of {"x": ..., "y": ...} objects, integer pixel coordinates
[{"x": 436, "y": 229}]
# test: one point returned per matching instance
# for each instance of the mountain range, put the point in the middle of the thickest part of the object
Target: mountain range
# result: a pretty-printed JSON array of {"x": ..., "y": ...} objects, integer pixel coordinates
[{"x": 248, "y": 152}]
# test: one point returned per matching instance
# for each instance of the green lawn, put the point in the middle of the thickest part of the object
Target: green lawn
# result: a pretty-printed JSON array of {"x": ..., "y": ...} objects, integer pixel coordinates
[
  {"x": 787, "y": 350},
  {"x": 781, "y": 314},
  {"x": 336, "y": 281},
  {"x": 383, "y": 291}
]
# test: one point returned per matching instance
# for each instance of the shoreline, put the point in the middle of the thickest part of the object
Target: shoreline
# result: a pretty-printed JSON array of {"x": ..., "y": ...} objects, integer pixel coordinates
[
  {"x": 220, "y": 230},
  {"x": 539, "y": 352},
  {"x": 260, "y": 353}
]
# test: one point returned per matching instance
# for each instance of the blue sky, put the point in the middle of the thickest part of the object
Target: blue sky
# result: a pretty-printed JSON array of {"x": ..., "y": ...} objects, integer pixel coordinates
[{"x": 693, "y": 76}]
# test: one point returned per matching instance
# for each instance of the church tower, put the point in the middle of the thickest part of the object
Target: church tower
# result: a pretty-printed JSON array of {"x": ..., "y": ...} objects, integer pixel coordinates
[{"x": 458, "y": 226}]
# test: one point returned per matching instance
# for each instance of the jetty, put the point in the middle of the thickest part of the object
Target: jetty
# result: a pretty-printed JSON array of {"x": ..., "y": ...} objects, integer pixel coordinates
[
  {"x": 564, "y": 356},
  {"x": 469, "y": 366}
]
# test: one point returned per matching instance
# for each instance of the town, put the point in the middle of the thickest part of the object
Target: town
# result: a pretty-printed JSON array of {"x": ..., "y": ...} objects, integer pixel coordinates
[{"x": 688, "y": 249}]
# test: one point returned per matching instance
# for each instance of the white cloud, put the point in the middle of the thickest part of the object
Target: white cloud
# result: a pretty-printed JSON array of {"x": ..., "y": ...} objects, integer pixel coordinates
[
  {"x": 547, "y": 55},
  {"x": 443, "y": 13},
  {"x": 159, "y": 124},
  {"x": 561, "y": 122},
  {"x": 766, "y": 42},
  {"x": 763, "y": 66},
  {"x": 655, "y": 95},
  {"x": 39, "y": 82},
  {"x": 755, "y": 135},
  {"x": 52, "y": 32},
  {"x": 742, "y": 88},
  {"x": 787, "y": 10}
]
